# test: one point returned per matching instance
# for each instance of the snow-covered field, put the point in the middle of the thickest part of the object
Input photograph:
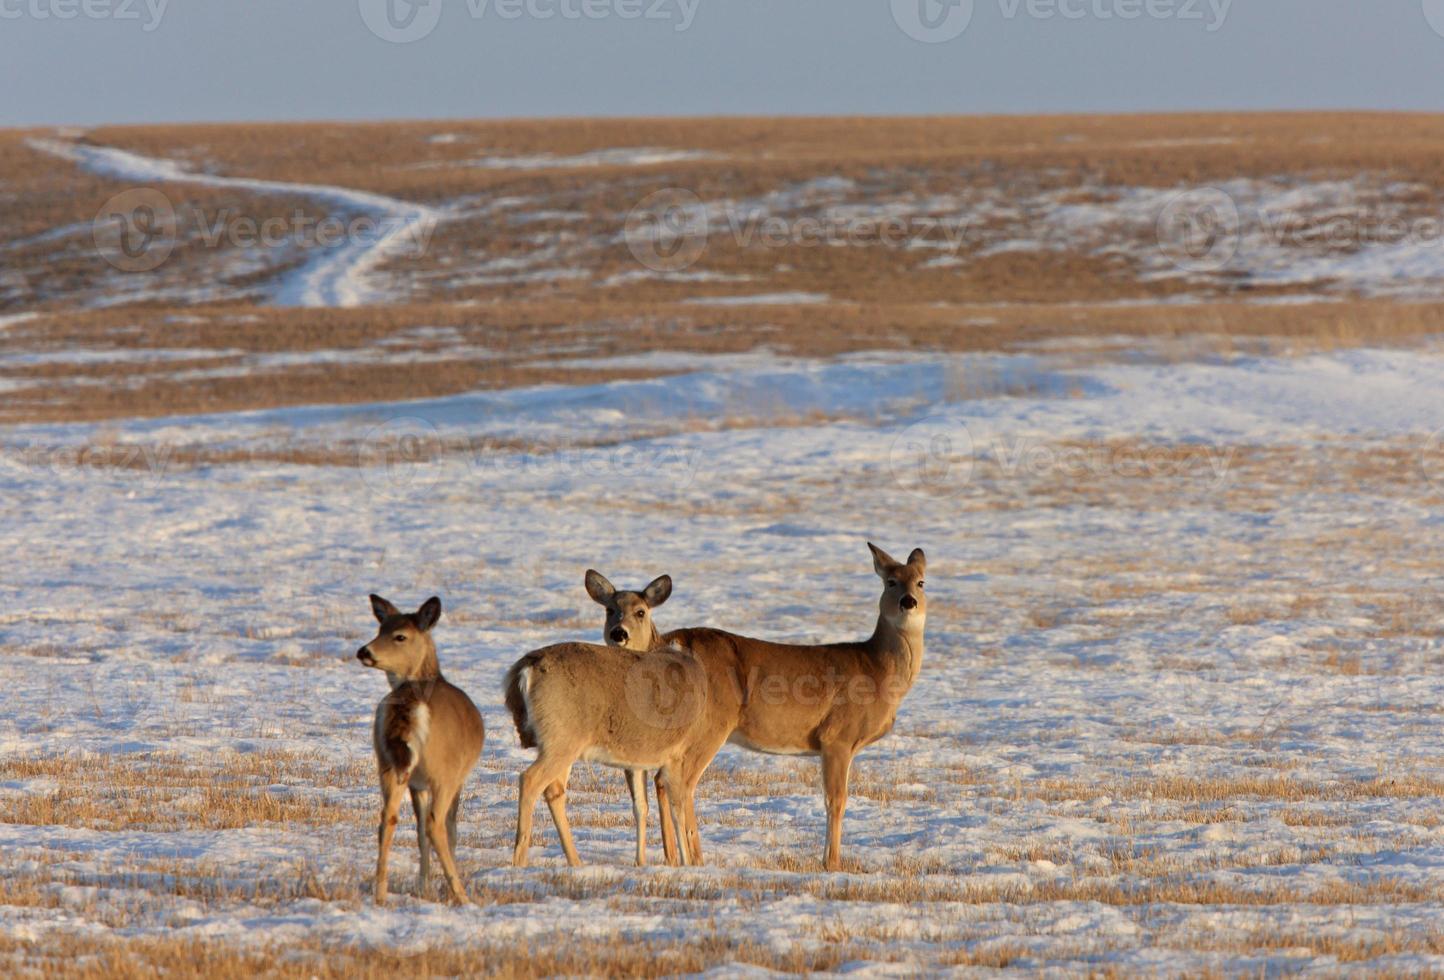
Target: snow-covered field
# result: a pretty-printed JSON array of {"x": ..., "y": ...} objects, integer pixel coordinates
[{"x": 1180, "y": 710}]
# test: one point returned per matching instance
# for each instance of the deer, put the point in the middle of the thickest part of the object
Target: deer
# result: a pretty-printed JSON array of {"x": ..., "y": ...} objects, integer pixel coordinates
[
  {"x": 827, "y": 700},
  {"x": 629, "y": 710},
  {"x": 638, "y": 605},
  {"x": 427, "y": 735}
]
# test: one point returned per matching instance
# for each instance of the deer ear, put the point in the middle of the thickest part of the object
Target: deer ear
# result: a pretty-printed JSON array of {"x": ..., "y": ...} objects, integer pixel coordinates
[
  {"x": 383, "y": 609},
  {"x": 428, "y": 614},
  {"x": 918, "y": 558},
  {"x": 598, "y": 587},
  {"x": 882, "y": 562},
  {"x": 658, "y": 590}
]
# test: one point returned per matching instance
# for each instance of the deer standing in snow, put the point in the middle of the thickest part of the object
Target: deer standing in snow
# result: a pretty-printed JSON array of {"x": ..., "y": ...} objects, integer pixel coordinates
[
  {"x": 427, "y": 735},
  {"x": 827, "y": 700},
  {"x": 621, "y": 708}
]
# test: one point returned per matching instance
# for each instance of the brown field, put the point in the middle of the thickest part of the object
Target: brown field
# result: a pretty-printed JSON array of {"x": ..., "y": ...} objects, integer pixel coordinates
[{"x": 505, "y": 326}]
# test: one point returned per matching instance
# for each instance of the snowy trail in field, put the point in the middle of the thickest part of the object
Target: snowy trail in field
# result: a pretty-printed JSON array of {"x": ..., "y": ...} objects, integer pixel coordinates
[{"x": 335, "y": 275}]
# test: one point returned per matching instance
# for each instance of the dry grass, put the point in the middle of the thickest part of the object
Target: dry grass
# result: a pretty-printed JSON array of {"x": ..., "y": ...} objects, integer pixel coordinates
[
  {"x": 89, "y": 959},
  {"x": 1343, "y": 948},
  {"x": 523, "y": 336},
  {"x": 504, "y": 332},
  {"x": 157, "y": 791},
  {"x": 1134, "y": 876},
  {"x": 1194, "y": 790},
  {"x": 1263, "y": 143}
]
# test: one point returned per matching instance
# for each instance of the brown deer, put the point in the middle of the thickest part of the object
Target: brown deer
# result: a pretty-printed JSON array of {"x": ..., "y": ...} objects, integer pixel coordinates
[
  {"x": 427, "y": 737},
  {"x": 639, "y": 606},
  {"x": 626, "y": 709},
  {"x": 828, "y": 700}
]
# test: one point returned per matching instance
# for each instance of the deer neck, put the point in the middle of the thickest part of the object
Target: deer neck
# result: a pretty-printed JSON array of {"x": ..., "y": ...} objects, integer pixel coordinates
[
  {"x": 428, "y": 670},
  {"x": 901, "y": 649}
]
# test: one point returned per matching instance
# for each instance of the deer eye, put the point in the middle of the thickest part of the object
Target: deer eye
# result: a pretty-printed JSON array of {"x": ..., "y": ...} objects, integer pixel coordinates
[
  {"x": 399, "y": 638},
  {"x": 641, "y": 613},
  {"x": 892, "y": 583},
  {"x": 920, "y": 583}
]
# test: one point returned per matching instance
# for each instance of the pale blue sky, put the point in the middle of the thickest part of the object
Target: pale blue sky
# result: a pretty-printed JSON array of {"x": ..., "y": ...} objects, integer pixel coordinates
[{"x": 317, "y": 59}]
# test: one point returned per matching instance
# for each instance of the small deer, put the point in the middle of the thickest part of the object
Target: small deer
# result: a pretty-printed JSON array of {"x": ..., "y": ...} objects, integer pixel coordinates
[
  {"x": 628, "y": 710},
  {"x": 427, "y": 735},
  {"x": 828, "y": 700}
]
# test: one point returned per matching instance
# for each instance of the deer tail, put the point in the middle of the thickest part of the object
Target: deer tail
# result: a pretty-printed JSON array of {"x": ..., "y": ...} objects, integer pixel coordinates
[{"x": 517, "y": 685}]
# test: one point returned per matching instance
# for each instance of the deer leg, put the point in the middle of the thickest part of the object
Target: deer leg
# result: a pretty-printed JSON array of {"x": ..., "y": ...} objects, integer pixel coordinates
[
  {"x": 637, "y": 787},
  {"x": 836, "y": 761},
  {"x": 451, "y": 837},
  {"x": 673, "y": 786},
  {"x": 556, "y": 796},
  {"x": 436, "y": 828},
  {"x": 694, "y": 764},
  {"x": 669, "y": 833},
  {"x": 689, "y": 814},
  {"x": 391, "y": 790},
  {"x": 421, "y": 806},
  {"x": 535, "y": 778}
]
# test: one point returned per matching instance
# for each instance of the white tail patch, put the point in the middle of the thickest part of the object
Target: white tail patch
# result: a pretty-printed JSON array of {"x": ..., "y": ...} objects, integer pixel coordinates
[
  {"x": 417, "y": 733},
  {"x": 523, "y": 684}
]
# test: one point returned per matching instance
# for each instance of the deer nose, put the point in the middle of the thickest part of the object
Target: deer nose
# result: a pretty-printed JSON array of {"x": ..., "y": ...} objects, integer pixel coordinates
[
  {"x": 364, "y": 655},
  {"x": 619, "y": 635},
  {"x": 908, "y": 602}
]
